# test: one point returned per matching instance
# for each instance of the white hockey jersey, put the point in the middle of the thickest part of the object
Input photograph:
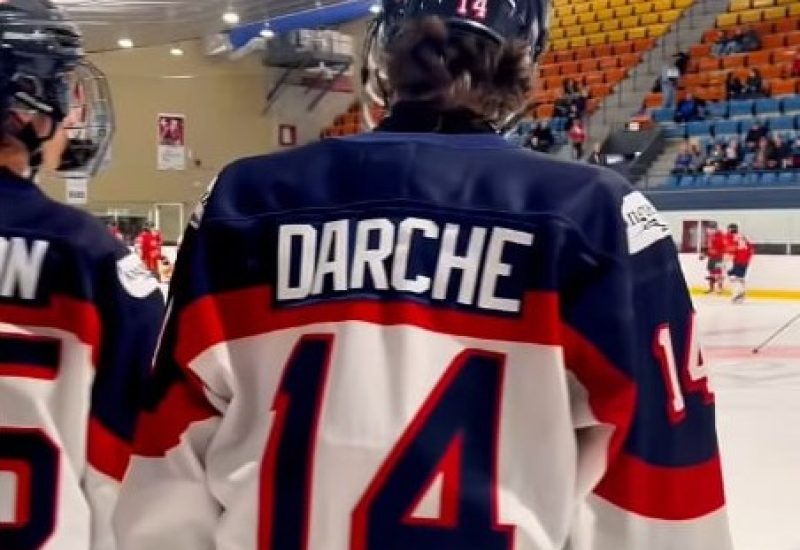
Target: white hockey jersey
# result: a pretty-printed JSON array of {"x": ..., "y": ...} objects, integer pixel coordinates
[
  {"x": 79, "y": 318},
  {"x": 427, "y": 342}
]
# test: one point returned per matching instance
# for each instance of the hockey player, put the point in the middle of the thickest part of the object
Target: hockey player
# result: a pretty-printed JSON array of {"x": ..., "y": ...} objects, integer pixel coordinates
[
  {"x": 742, "y": 254},
  {"x": 79, "y": 314},
  {"x": 428, "y": 338},
  {"x": 717, "y": 247},
  {"x": 148, "y": 244}
]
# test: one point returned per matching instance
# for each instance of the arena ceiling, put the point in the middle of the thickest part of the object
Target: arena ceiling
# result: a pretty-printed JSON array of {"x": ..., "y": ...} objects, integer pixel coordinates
[{"x": 152, "y": 22}]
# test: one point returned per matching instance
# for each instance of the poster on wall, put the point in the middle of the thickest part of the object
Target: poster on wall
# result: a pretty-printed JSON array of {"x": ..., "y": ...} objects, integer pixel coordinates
[
  {"x": 171, "y": 142},
  {"x": 77, "y": 191}
]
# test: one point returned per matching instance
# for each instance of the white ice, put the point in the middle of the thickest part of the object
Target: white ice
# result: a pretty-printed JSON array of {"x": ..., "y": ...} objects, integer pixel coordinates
[{"x": 758, "y": 417}]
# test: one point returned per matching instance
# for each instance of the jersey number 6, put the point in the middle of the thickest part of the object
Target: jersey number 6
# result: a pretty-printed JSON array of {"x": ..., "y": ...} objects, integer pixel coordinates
[{"x": 449, "y": 438}]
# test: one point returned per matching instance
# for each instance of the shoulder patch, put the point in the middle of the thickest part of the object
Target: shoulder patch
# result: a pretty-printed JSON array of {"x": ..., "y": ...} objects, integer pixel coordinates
[
  {"x": 135, "y": 278},
  {"x": 200, "y": 209},
  {"x": 645, "y": 224}
]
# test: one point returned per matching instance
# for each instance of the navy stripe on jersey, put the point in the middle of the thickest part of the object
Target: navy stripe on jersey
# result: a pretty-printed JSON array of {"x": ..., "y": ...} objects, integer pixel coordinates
[{"x": 29, "y": 356}]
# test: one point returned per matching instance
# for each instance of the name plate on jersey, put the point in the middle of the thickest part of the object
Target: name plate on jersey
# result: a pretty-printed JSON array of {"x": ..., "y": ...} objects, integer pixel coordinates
[{"x": 480, "y": 267}]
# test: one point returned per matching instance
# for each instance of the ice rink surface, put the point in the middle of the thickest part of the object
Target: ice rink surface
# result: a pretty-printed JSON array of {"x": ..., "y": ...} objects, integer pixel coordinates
[{"x": 758, "y": 406}]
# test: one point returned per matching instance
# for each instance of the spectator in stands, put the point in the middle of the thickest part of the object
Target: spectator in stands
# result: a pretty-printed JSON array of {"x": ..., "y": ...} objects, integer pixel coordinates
[
  {"x": 581, "y": 101},
  {"x": 698, "y": 157},
  {"x": 727, "y": 44},
  {"x": 669, "y": 81},
  {"x": 681, "y": 62},
  {"x": 750, "y": 41},
  {"x": 571, "y": 88},
  {"x": 684, "y": 162},
  {"x": 544, "y": 137},
  {"x": 688, "y": 110},
  {"x": 754, "y": 86},
  {"x": 795, "y": 153},
  {"x": 597, "y": 157},
  {"x": 754, "y": 135},
  {"x": 573, "y": 115},
  {"x": 766, "y": 155},
  {"x": 577, "y": 136},
  {"x": 783, "y": 152},
  {"x": 716, "y": 159},
  {"x": 733, "y": 86},
  {"x": 562, "y": 107},
  {"x": 733, "y": 156}
]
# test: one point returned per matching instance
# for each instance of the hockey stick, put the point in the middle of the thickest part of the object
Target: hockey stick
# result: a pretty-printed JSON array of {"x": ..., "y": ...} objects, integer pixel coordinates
[{"x": 777, "y": 333}]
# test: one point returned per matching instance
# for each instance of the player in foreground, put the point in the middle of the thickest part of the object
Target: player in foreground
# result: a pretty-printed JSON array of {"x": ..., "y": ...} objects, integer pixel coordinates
[
  {"x": 741, "y": 250},
  {"x": 79, "y": 315},
  {"x": 426, "y": 338}
]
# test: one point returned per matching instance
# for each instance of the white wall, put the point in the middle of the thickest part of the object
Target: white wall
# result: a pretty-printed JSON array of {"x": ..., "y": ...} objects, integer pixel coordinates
[
  {"x": 770, "y": 274},
  {"x": 760, "y": 226}
]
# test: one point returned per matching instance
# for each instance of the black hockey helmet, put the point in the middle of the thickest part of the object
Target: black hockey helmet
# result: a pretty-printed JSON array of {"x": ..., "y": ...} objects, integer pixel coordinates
[
  {"x": 733, "y": 228},
  {"x": 499, "y": 20},
  {"x": 43, "y": 71}
]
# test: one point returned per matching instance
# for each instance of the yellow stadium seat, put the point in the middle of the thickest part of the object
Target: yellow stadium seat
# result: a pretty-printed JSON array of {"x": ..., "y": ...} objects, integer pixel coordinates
[
  {"x": 555, "y": 34},
  {"x": 600, "y": 5},
  {"x": 605, "y": 14},
  {"x": 662, "y": 5},
  {"x": 727, "y": 19},
  {"x": 638, "y": 32},
  {"x": 561, "y": 11},
  {"x": 649, "y": 18},
  {"x": 642, "y": 7},
  {"x": 586, "y": 18},
  {"x": 750, "y": 16},
  {"x": 597, "y": 39},
  {"x": 660, "y": 29},
  {"x": 630, "y": 22},
  {"x": 623, "y": 11},
  {"x": 785, "y": 2},
  {"x": 581, "y": 8},
  {"x": 775, "y": 13},
  {"x": 577, "y": 42},
  {"x": 573, "y": 31},
  {"x": 616, "y": 3},
  {"x": 559, "y": 3},
  {"x": 569, "y": 21},
  {"x": 794, "y": 9},
  {"x": 763, "y": 3},
  {"x": 739, "y": 5},
  {"x": 610, "y": 25},
  {"x": 683, "y": 4},
  {"x": 617, "y": 36},
  {"x": 591, "y": 28},
  {"x": 670, "y": 16},
  {"x": 562, "y": 44}
]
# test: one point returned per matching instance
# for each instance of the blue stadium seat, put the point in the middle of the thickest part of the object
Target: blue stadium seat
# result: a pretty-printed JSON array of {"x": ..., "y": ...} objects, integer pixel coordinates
[
  {"x": 718, "y": 179},
  {"x": 718, "y": 109},
  {"x": 726, "y": 127},
  {"x": 750, "y": 178},
  {"x": 791, "y": 104},
  {"x": 673, "y": 181},
  {"x": 768, "y": 178},
  {"x": 663, "y": 115},
  {"x": 675, "y": 131},
  {"x": 687, "y": 181},
  {"x": 782, "y": 123},
  {"x": 558, "y": 124},
  {"x": 767, "y": 106},
  {"x": 740, "y": 107},
  {"x": 698, "y": 128},
  {"x": 735, "y": 179},
  {"x": 786, "y": 178}
]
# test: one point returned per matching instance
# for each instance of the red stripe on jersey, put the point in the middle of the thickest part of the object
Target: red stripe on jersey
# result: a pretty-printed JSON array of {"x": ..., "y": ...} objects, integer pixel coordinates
[
  {"x": 223, "y": 317},
  {"x": 159, "y": 431},
  {"x": 665, "y": 493},
  {"x": 63, "y": 313},
  {"x": 107, "y": 452},
  {"x": 612, "y": 395},
  {"x": 28, "y": 371}
]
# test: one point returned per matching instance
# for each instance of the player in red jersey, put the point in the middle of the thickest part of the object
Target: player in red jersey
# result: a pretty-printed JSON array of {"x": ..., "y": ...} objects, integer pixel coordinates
[
  {"x": 742, "y": 253},
  {"x": 149, "y": 243},
  {"x": 717, "y": 247}
]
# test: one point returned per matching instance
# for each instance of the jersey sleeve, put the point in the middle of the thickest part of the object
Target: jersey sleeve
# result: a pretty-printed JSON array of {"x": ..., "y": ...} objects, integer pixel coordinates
[
  {"x": 131, "y": 307},
  {"x": 654, "y": 480},
  {"x": 166, "y": 501}
]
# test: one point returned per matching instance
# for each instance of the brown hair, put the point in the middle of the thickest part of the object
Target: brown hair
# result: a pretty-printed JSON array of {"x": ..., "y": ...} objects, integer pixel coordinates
[{"x": 428, "y": 60}]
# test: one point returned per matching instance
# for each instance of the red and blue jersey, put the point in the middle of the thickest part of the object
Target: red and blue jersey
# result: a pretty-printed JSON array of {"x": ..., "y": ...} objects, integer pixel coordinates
[
  {"x": 79, "y": 318},
  {"x": 423, "y": 341}
]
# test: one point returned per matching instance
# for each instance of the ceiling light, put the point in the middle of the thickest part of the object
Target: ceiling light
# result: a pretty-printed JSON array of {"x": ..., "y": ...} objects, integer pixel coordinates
[
  {"x": 375, "y": 9},
  {"x": 230, "y": 17},
  {"x": 176, "y": 51},
  {"x": 126, "y": 43}
]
